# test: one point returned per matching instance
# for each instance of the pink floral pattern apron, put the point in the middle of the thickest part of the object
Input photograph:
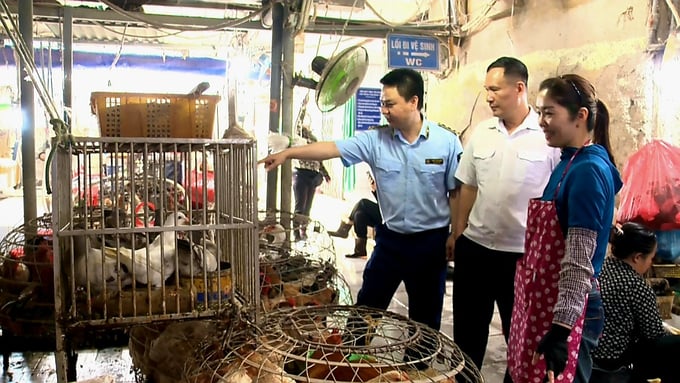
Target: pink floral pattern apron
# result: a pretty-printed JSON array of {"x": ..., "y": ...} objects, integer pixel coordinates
[{"x": 536, "y": 291}]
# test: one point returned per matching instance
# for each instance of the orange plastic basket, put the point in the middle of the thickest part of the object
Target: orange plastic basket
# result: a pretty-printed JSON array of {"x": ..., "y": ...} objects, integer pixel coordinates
[{"x": 154, "y": 115}]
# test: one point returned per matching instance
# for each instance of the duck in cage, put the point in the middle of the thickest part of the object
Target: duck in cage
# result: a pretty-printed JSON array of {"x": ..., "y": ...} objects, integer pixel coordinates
[{"x": 176, "y": 261}]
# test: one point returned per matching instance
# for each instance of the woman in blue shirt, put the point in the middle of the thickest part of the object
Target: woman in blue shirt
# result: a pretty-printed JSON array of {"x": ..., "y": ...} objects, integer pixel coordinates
[{"x": 567, "y": 235}]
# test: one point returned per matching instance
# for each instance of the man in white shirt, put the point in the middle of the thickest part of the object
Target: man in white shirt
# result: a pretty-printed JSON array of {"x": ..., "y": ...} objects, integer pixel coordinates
[{"x": 505, "y": 163}]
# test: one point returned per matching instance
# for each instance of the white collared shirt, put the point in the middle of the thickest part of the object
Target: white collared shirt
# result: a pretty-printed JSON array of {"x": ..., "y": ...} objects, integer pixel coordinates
[{"x": 508, "y": 170}]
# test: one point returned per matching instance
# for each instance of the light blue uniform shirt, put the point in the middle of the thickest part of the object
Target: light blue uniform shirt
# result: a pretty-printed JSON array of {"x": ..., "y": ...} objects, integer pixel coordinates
[{"x": 412, "y": 180}]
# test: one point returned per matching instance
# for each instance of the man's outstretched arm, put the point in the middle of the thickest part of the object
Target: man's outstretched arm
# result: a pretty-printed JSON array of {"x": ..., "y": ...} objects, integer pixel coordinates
[{"x": 317, "y": 151}]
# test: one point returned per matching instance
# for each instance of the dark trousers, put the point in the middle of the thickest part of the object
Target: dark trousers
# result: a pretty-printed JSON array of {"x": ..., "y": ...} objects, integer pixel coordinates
[
  {"x": 305, "y": 182},
  {"x": 619, "y": 375},
  {"x": 364, "y": 214},
  {"x": 657, "y": 359},
  {"x": 651, "y": 359},
  {"x": 593, "y": 325},
  {"x": 419, "y": 260},
  {"x": 481, "y": 277}
]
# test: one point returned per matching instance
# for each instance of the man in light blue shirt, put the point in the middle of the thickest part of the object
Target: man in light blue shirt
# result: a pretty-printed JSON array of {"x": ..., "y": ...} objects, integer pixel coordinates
[{"x": 414, "y": 162}]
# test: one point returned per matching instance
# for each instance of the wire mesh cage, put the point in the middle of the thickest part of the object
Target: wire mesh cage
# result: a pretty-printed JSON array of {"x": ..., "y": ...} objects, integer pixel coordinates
[
  {"x": 297, "y": 263},
  {"x": 27, "y": 280},
  {"x": 27, "y": 306},
  {"x": 284, "y": 231},
  {"x": 354, "y": 344},
  {"x": 298, "y": 279},
  {"x": 317, "y": 344},
  {"x": 175, "y": 351},
  {"x": 153, "y": 230}
]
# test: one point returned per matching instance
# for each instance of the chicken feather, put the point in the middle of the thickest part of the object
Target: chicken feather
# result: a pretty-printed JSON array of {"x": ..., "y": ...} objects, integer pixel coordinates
[{"x": 158, "y": 258}]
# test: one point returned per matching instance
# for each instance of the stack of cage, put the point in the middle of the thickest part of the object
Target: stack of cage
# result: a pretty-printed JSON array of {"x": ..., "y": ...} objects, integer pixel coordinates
[
  {"x": 296, "y": 279},
  {"x": 297, "y": 263},
  {"x": 134, "y": 241},
  {"x": 26, "y": 288}
]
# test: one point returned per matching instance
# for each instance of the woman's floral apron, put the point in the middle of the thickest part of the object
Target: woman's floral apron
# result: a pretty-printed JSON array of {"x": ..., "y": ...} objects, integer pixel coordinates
[{"x": 536, "y": 291}]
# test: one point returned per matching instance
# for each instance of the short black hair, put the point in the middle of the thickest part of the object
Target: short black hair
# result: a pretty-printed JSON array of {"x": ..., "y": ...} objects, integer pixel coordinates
[
  {"x": 512, "y": 67},
  {"x": 408, "y": 82}
]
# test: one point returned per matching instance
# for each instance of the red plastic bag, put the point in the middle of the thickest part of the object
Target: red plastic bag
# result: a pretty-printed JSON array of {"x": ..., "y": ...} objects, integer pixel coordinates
[{"x": 651, "y": 187}]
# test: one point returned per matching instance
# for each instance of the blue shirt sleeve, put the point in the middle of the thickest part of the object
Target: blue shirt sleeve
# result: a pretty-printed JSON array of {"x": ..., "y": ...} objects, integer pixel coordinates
[
  {"x": 586, "y": 197},
  {"x": 358, "y": 148}
]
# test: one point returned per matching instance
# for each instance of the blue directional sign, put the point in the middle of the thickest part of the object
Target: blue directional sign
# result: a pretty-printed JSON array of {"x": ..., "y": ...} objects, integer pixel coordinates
[{"x": 414, "y": 52}]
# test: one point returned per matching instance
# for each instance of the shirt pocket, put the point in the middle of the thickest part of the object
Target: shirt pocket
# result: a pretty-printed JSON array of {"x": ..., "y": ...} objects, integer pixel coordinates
[
  {"x": 483, "y": 159},
  {"x": 388, "y": 174},
  {"x": 532, "y": 167},
  {"x": 432, "y": 176}
]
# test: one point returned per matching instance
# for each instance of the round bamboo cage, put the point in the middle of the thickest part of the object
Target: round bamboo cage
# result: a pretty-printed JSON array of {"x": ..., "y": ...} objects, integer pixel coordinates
[{"x": 320, "y": 344}]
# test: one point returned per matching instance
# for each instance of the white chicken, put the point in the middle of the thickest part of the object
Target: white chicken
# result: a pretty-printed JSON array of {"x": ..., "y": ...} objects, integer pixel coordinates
[
  {"x": 98, "y": 267},
  {"x": 154, "y": 263},
  {"x": 274, "y": 235}
]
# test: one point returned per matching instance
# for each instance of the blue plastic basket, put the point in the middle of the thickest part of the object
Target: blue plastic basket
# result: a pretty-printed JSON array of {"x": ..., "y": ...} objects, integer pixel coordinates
[{"x": 668, "y": 245}]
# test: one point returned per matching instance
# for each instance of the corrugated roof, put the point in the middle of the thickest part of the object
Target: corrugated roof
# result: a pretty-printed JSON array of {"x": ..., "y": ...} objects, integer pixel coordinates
[{"x": 116, "y": 21}]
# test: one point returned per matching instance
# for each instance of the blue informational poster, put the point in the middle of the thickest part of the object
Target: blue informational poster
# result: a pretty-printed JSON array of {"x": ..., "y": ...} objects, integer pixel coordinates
[{"x": 367, "y": 109}]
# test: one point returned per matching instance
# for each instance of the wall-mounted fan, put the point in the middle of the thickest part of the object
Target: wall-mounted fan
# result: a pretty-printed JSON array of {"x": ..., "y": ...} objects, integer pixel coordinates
[{"x": 340, "y": 77}]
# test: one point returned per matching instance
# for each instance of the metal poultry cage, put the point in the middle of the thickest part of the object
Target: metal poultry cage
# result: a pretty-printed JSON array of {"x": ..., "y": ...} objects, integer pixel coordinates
[
  {"x": 282, "y": 231},
  {"x": 320, "y": 344},
  {"x": 150, "y": 230}
]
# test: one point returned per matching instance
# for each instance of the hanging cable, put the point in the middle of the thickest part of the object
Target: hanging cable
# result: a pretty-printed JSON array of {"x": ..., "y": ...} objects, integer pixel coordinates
[
  {"x": 344, "y": 27},
  {"x": 120, "y": 48},
  {"x": 302, "y": 113},
  {"x": 303, "y": 19},
  {"x": 383, "y": 19},
  {"x": 220, "y": 25},
  {"x": 61, "y": 130},
  {"x": 118, "y": 54},
  {"x": 26, "y": 57}
]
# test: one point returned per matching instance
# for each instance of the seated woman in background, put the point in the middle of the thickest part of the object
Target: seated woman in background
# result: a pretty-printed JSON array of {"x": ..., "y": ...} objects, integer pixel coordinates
[
  {"x": 633, "y": 333},
  {"x": 365, "y": 213}
]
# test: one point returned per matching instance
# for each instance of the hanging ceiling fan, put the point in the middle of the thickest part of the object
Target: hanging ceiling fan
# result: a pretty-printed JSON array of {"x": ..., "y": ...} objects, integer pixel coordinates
[{"x": 340, "y": 77}]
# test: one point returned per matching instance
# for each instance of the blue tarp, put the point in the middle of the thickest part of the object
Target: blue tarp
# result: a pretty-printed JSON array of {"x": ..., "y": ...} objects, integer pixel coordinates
[{"x": 203, "y": 65}]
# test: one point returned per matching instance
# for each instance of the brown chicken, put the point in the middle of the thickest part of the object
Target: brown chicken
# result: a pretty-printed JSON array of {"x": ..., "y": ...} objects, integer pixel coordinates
[{"x": 40, "y": 260}]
